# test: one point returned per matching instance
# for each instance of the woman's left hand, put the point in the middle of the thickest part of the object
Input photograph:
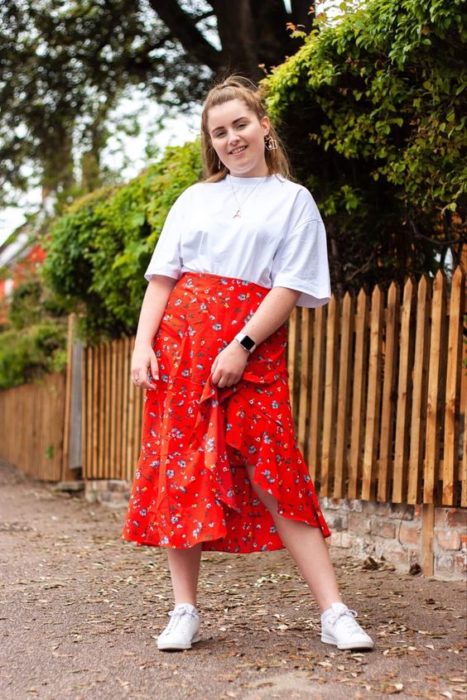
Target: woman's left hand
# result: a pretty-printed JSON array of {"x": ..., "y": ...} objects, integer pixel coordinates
[{"x": 228, "y": 367}]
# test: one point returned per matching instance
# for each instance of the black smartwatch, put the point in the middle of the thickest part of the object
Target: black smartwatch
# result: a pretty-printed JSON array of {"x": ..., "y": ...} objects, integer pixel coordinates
[{"x": 245, "y": 341}]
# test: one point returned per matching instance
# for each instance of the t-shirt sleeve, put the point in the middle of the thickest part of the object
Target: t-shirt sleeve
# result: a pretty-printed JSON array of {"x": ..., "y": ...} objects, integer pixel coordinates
[
  {"x": 166, "y": 259},
  {"x": 301, "y": 263}
]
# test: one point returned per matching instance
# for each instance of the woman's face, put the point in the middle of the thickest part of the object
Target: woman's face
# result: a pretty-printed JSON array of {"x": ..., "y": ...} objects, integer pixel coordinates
[{"x": 237, "y": 136}]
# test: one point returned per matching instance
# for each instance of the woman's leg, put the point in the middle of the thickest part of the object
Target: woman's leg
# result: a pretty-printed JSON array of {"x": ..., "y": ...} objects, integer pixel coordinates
[
  {"x": 184, "y": 567},
  {"x": 308, "y": 548}
]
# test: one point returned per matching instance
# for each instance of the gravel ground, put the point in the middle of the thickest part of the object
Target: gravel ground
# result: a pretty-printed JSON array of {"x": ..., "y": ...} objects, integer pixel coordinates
[{"x": 80, "y": 609}]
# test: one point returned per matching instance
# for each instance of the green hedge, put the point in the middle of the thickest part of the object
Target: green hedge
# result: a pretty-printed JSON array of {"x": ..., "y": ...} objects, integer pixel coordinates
[
  {"x": 33, "y": 341},
  {"x": 27, "y": 354},
  {"x": 374, "y": 113},
  {"x": 98, "y": 251}
]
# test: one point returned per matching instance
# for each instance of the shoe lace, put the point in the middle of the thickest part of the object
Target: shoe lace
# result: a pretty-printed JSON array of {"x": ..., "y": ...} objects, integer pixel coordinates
[
  {"x": 348, "y": 619},
  {"x": 183, "y": 611},
  {"x": 176, "y": 615}
]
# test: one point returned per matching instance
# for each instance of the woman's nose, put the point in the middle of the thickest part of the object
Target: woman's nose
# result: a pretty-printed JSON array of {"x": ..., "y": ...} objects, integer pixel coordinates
[{"x": 232, "y": 137}]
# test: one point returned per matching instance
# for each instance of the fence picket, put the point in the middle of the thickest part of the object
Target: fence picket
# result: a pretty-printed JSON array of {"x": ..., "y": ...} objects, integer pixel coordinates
[
  {"x": 419, "y": 388},
  {"x": 68, "y": 386},
  {"x": 373, "y": 395},
  {"x": 113, "y": 404},
  {"x": 101, "y": 412},
  {"x": 329, "y": 410},
  {"x": 118, "y": 407},
  {"x": 343, "y": 396},
  {"x": 358, "y": 400},
  {"x": 431, "y": 467},
  {"x": 453, "y": 372},
  {"x": 95, "y": 413},
  {"x": 106, "y": 410},
  {"x": 463, "y": 422},
  {"x": 404, "y": 395},
  {"x": 126, "y": 406},
  {"x": 316, "y": 403},
  {"x": 132, "y": 389},
  {"x": 387, "y": 401}
]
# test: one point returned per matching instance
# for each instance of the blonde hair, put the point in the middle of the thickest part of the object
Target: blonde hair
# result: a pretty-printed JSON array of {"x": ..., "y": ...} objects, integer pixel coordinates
[{"x": 238, "y": 87}]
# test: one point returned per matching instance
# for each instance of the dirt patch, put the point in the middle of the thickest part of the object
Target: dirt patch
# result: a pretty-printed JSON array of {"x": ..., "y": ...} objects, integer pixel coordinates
[{"x": 80, "y": 609}]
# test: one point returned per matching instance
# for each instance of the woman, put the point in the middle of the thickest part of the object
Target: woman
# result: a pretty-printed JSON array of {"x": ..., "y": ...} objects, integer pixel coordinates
[{"x": 220, "y": 468}]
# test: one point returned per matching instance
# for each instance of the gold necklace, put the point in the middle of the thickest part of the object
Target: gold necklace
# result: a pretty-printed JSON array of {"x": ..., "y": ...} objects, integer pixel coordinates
[{"x": 238, "y": 213}]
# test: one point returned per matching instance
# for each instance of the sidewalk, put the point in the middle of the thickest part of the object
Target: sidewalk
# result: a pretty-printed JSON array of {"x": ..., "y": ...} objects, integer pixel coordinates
[{"x": 80, "y": 607}]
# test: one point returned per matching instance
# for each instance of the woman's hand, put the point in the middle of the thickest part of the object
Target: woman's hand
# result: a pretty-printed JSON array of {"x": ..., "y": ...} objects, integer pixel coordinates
[
  {"x": 228, "y": 367},
  {"x": 144, "y": 367}
]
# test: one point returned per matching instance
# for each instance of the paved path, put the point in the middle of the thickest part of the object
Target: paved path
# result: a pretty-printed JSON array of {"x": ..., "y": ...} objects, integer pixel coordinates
[{"x": 79, "y": 609}]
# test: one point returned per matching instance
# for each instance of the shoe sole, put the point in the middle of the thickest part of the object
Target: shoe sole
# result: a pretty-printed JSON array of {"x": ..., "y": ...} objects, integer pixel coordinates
[
  {"x": 166, "y": 646},
  {"x": 346, "y": 647}
]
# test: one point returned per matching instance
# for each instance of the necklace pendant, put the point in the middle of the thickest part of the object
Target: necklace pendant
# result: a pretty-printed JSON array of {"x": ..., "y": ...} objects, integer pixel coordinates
[{"x": 237, "y": 214}]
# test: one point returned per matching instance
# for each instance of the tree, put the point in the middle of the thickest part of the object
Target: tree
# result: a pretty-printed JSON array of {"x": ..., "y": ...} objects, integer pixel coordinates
[
  {"x": 64, "y": 65},
  {"x": 250, "y": 33},
  {"x": 373, "y": 109}
]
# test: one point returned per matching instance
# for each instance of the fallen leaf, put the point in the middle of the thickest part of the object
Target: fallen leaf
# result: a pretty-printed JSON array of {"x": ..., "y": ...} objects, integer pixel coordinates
[{"x": 392, "y": 688}]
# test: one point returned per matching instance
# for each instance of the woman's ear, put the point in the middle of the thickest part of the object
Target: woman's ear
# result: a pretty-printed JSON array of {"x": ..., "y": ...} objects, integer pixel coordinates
[{"x": 266, "y": 124}]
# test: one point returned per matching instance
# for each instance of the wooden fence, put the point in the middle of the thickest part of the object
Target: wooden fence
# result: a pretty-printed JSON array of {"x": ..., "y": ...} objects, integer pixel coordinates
[
  {"x": 40, "y": 423},
  {"x": 380, "y": 391},
  {"x": 378, "y": 394},
  {"x": 112, "y": 412},
  {"x": 32, "y": 422},
  {"x": 378, "y": 385}
]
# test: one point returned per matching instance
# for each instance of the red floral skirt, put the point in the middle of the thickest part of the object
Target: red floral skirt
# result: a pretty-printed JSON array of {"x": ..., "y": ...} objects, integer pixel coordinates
[{"x": 191, "y": 485}]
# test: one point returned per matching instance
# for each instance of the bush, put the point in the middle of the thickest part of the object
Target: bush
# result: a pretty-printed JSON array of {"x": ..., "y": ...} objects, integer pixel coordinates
[
  {"x": 33, "y": 338},
  {"x": 373, "y": 111},
  {"x": 25, "y": 308},
  {"x": 28, "y": 354},
  {"x": 98, "y": 251}
]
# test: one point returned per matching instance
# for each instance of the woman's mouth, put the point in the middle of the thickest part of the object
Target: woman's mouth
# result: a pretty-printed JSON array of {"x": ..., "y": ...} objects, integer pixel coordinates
[{"x": 236, "y": 151}]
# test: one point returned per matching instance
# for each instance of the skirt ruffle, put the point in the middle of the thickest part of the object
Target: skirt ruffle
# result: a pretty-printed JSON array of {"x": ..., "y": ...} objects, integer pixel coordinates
[{"x": 191, "y": 485}]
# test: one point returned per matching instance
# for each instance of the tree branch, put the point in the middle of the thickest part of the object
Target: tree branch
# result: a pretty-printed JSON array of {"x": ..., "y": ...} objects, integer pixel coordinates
[
  {"x": 183, "y": 28},
  {"x": 235, "y": 24},
  {"x": 433, "y": 241}
]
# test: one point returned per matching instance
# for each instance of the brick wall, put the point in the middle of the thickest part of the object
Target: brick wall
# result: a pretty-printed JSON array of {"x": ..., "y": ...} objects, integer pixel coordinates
[
  {"x": 393, "y": 532},
  {"x": 110, "y": 492},
  {"x": 387, "y": 532}
]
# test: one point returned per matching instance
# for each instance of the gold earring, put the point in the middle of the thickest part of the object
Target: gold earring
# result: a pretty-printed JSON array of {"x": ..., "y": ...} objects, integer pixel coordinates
[{"x": 270, "y": 143}]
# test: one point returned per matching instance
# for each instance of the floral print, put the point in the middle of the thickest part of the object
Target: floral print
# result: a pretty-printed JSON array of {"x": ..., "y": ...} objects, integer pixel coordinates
[{"x": 191, "y": 484}]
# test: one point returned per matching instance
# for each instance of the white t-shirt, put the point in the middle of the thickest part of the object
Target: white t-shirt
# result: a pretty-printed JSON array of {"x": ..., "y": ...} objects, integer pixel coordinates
[{"x": 278, "y": 241}]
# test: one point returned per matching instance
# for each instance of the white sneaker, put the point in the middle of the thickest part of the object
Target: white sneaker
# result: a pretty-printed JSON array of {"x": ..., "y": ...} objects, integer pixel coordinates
[
  {"x": 182, "y": 630},
  {"x": 339, "y": 627}
]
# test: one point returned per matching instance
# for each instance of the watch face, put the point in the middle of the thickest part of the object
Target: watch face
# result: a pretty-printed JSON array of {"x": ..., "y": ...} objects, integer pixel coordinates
[{"x": 247, "y": 342}]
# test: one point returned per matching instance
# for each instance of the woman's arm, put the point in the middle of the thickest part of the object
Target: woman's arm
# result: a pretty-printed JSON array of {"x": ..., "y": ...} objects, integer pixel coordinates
[
  {"x": 144, "y": 360},
  {"x": 273, "y": 311}
]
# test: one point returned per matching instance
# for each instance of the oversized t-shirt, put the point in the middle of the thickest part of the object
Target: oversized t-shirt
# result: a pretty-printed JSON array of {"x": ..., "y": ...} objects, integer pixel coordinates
[{"x": 279, "y": 239}]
